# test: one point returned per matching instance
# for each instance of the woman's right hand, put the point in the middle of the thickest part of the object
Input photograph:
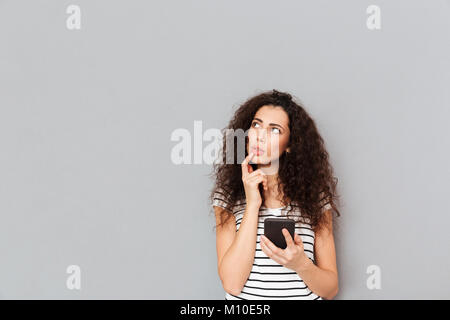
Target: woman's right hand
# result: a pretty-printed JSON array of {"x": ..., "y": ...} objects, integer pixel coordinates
[{"x": 251, "y": 180}]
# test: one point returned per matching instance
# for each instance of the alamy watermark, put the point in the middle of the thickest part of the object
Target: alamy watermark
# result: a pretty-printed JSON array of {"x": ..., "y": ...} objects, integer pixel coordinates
[{"x": 190, "y": 148}]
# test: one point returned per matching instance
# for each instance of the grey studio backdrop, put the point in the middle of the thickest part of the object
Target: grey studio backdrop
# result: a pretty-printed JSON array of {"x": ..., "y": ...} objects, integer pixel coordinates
[{"x": 86, "y": 118}]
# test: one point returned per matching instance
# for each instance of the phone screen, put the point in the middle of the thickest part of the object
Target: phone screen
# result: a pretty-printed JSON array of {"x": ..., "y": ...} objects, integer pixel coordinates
[{"x": 273, "y": 230}]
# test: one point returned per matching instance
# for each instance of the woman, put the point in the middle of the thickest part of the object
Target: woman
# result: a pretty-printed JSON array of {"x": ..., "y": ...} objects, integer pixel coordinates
[{"x": 301, "y": 187}]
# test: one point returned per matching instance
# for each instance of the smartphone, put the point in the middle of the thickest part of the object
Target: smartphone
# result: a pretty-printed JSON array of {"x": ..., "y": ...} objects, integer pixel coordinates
[{"x": 273, "y": 227}]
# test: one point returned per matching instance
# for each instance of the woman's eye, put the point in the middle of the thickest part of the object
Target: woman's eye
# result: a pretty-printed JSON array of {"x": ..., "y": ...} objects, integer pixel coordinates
[
  {"x": 277, "y": 129},
  {"x": 254, "y": 124}
]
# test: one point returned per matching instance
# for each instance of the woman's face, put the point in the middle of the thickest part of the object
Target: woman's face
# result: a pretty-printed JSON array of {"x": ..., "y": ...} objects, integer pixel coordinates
[{"x": 268, "y": 134}]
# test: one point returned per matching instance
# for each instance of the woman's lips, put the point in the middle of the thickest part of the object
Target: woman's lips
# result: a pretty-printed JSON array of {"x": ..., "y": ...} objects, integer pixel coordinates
[{"x": 257, "y": 151}]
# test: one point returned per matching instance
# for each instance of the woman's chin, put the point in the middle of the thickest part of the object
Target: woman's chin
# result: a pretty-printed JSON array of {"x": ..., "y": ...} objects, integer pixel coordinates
[{"x": 260, "y": 160}]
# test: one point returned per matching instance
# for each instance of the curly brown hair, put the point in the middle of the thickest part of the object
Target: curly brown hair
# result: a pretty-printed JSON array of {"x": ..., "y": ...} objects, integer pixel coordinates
[{"x": 305, "y": 175}]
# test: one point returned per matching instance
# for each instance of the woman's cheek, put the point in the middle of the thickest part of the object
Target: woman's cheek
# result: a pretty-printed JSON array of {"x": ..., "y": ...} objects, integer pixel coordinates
[
  {"x": 251, "y": 139},
  {"x": 277, "y": 151}
]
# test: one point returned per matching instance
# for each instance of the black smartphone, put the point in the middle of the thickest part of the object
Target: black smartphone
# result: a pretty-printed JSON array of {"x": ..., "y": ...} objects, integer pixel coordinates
[{"x": 273, "y": 227}]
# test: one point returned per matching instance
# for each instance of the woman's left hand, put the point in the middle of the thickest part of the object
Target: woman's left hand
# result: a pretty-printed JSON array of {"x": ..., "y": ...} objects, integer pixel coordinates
[{"x": 293, "y": 257}]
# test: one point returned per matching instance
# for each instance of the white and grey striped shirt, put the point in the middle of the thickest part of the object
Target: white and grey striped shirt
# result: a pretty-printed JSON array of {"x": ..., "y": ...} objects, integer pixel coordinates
[{"x": 268, "y": 279}]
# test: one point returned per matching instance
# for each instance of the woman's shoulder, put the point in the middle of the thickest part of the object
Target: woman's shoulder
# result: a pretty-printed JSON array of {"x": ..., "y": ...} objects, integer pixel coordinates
[
  {"x": 221, "y": 198},
  {"x": 324, "y": 202},
  {"x": 297, "y": 214}
]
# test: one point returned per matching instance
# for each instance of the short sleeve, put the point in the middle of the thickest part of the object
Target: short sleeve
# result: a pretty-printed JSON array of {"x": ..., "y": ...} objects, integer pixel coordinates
[
  {"x": 324, "y": 202},
  {"x": 220, "y": 199}
]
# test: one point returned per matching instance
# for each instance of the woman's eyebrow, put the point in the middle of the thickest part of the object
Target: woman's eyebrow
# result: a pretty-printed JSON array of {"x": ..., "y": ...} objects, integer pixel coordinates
[{"x": 270, "y": 124}]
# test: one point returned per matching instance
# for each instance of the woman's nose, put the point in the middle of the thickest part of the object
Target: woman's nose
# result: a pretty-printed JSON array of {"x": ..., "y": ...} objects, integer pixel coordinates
[{"x": 261, "y": 136}]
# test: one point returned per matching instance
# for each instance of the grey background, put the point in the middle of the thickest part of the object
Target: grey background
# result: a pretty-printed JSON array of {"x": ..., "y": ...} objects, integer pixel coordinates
[{"x": 86, "y": 116}]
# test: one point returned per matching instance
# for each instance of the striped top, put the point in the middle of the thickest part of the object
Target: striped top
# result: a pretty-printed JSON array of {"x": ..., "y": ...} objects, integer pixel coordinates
[{"x": 268, "y": 279}]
